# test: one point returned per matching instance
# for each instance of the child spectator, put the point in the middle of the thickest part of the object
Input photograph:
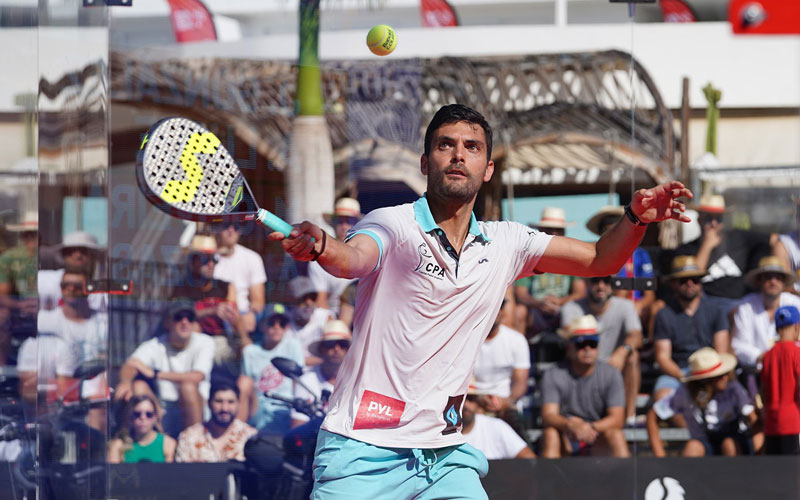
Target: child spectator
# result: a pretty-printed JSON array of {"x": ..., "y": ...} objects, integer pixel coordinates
[
  {"x": 779, "y": 381},
  {"x": 716, "y": 408}
]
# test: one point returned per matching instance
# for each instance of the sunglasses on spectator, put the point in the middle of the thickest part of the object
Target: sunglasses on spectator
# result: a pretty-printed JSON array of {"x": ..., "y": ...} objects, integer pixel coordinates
[
  {"x": 346, "y": 220},
  {"x": 771, "y": 276},
  {"x": 709, "y": 218},
  {"x": 77, "y": 285},
  {"x": 473, "y": 398},
  {"x": 182, "y": 315},
  {"x": 309, "y": 296},
  {"x": 330, "y": 344},
  {"x": 144, "y": 414},
  {"x": 693, "y": 279},
  {"x": 600, "y": 279},
  {"x": 583, "y": 341},
  {"x": 72, "y": 250},
  {"x": 284, "y": 322},
  {"x": 204, "y": 259}
]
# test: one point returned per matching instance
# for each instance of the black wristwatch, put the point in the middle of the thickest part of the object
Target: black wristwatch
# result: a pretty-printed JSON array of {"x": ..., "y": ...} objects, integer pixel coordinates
[
  {"x": 628, "y": 348},
  {"x": 155, "y": 373},
  {"x": 632, "y": 217}
]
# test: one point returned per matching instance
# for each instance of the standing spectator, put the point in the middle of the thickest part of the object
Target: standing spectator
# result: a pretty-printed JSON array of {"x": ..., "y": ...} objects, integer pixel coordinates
[
  {"x": 331, "y": 348},
  {"x": 245, "y": 269},
  {"x": 139, "y": 439},
  {"x": 685, "y": 324},
  {"x": 787, "y": 247},
  {"x": 493, "y": 437},
  {"x": 18, "y": 300},
  {"x": 80, "y": 252},
  {"x": 620, "y": 334},
  {"x": 754, "y": 319},
  {"x": 638, "y": 265},
  {"x": 307, "y": 320},
  {"x": 346, "y": 213},
  {"x": 780, "y": 381},
  {"x": 539, "y": 297},
  {"x": 502, "y": 369},
  {"x": 727, "y": 255},
  {"x": 223, "y": 437},
  {"x": 583, "y": 409},
  {"x": 175, "y": 366},
  {"x": 715, "y": 407},
  {"x": 259, "y": 375}
]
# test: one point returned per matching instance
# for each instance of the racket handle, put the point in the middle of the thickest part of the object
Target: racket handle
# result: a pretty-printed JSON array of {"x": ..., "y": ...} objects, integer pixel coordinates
[{"x": 273, "y": 222}]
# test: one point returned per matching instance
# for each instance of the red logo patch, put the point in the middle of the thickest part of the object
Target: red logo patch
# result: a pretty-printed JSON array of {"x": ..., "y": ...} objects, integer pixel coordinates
[{"x": 377, "y": 411}]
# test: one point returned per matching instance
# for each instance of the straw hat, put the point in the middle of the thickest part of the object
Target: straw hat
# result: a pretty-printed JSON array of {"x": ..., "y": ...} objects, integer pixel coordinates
[
  {"x": 203, "y": 244},
  {"x": 345, "y": 207},
  {"x": 708, "y": 363},
  {"x": 552, "y": 217},
  {"x": 593, "y": 224},
  {"x": 79, "y": 239},
  {"x": 712, "y": 203},
  {"x": 582, "y": 325},
  {"x": 769, "y": 264},
  {"x": 334, "y": 330},
  {"x": 29, "y": 223},
  {"x": 685, "y": 266}
]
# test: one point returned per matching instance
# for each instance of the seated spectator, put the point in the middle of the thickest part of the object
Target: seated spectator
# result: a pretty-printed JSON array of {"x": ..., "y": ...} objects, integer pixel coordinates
[
  {"x": 214, "y": 300},
  {"x": 243, "y": 268},
  {"x": 539, "y": 297},
  {"x": 753, "y": 320},
  {"x": 223, "y": 437},
  {"x": 716, "y": 408},
  {"x": 44, "y": 364},
  {"x": 493, "y": 437},
  {"x": 727, "y": 255},
  {"x": 780, "y": 382},
  {"x": 79, "y": 252},
  {"x": 18, "y": 301},
  {"x": 307, "y": 319},
  {"x": 268, "y": 415},
  {"x": 687, "y": 322},
  {"x": 502, "y": 369},
  {"x": 346, "y": 213},
  {"x": 787, "y": 248},
  {"x": 139, "y": 439},
  {"x": 583, "y": 408},
  {"x": 638, "y": 265},
  {"x": 173, "y": 369},
  {"x": 331, "y": 348},
  {"x": 620, "y": 334}
]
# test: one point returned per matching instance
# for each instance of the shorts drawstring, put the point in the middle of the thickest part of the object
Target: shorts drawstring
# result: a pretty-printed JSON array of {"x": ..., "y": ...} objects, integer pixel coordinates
[{"x": 427, "y": 459}]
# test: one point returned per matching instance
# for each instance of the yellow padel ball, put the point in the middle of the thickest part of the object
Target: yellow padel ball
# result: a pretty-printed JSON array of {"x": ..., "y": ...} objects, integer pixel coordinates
[{"x": 381, "y": 40}]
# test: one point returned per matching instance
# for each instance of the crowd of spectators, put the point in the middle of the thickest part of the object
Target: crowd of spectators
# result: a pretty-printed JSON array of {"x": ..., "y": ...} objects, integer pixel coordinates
[{"x": 707, "y": 340}]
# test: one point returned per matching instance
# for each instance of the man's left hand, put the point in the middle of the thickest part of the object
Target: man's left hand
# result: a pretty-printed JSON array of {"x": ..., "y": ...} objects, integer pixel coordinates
[{"x": 660, "y": 203}]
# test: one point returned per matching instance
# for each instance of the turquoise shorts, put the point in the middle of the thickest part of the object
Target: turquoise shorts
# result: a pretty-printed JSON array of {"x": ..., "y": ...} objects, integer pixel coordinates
[{"x": 348, "y": 468}]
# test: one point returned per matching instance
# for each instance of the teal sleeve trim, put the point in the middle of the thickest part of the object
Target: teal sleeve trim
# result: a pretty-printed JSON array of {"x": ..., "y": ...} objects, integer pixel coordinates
[{"x": 377, "y": 240}]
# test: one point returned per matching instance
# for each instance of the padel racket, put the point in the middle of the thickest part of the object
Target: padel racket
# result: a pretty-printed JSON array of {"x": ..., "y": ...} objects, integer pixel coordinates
[{"x": 184, "y": 169}]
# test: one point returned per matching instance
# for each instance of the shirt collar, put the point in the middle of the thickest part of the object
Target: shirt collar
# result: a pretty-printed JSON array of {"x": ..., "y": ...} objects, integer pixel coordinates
[{"x": 423, "y": 216}]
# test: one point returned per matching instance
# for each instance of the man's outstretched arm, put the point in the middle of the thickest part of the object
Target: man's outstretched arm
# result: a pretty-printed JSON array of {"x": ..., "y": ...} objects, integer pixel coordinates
[
  {"x": 354, "y": 259},
  {"x": 606, "y": 256}
]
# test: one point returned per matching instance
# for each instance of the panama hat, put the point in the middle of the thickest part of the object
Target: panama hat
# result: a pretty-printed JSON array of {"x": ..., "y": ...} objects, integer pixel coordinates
[
  {"x": 29, "y": 223},
  {"x": 712, "y": 203},
  {"x": 769, "y": 264},
  {"x": 79, "y": 239},
  {"x": 685, "y": 266},
  {"x": 203, "y": 244},
  {"x": 708, "y": 363},
  {"x": 334, "y": 330},
  {"x": 593, "y": 224},
  {"x": 345, "y": 207},
  {"x": 552, "y": 217},
  {"x": 582, "y": 325}
]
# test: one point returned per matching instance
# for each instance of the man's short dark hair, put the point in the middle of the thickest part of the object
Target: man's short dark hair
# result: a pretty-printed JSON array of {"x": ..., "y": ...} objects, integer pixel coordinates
[
  {"x": 454, "y": 113},
  {"x": 222, "y": 385}
]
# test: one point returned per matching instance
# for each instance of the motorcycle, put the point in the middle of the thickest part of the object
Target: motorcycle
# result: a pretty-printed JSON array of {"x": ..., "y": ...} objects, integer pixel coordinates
[{"x": 281, "y": 469}]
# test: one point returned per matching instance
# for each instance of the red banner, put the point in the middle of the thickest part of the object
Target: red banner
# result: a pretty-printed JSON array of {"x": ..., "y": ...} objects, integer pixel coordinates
[
  {"x": 191, "y": 21},
  {"x": 437, "y": 13},
  {"x": 676, "y": 11},
  {"x": 777, "y": 17}
]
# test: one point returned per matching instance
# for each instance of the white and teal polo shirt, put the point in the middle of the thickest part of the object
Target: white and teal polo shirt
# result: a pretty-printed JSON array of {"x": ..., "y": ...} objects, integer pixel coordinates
[{"x": 420, "y": 318}]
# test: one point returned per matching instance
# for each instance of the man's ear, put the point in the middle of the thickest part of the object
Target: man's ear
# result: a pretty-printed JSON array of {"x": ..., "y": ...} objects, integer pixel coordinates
[
  {"x": 489, "y": 171},
  {"x": 423, "y": 164}
]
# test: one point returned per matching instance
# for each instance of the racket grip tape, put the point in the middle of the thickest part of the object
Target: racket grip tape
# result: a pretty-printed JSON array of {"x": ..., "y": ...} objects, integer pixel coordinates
[{"x": 274, "y": 222}]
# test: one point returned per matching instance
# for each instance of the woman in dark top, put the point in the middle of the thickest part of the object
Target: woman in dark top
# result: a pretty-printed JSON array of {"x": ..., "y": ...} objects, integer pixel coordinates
[{"x": 139, "y": 438}]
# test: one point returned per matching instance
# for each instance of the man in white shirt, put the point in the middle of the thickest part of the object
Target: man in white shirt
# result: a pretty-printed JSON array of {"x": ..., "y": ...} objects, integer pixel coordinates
[
  {"x": 346, "y": 213},
  {"x": 431, "y": 281},
  {"x": 306, "y": 319},
  {"x": 80, "y": 252},
  {"x": 173, "y": 369},
  {"x": 754, "y": 319},
  {"x": 495, "y": 438},
  {"x": 245, "y": 269}
]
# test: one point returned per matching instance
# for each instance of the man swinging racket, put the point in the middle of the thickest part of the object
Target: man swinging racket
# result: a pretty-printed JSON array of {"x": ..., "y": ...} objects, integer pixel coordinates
[{"x": 432, "y": 279}]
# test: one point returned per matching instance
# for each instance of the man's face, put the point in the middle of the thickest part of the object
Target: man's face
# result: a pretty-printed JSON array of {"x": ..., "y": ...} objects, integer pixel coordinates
[
  {"x": 203, "y": 264},
  {"x": 457, "y": 165},
  {"x": 305, "y": 308},
  {"x": 275, "y": 330},
  {"x": 599, "y": 289},
  {"x": 771, "y": 284},
  {"x": 710, "y": 219},
  {"x": 333, "y": 351},
  {"x": 342, "y": 225},
  {"x": 30, "y": 239},
  {"x": 227, "y": 236},
  {"x": 181, "y": 325},
  {"x": 583, "y": 349},
  {"x": 687, "y": 288},
  {"x": 72, "y": 288},
  {"x": 223, "y": 405},
  {"x": 471, "y": 407},
  {"x": 76, "y": 257}
]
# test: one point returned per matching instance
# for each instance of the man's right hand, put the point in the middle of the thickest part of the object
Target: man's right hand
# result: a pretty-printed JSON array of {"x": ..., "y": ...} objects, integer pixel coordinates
[
  {"x": 124, "y": 391},
  {"x": 581, "y": 430},
  {"x": 301, "y": 241}
]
